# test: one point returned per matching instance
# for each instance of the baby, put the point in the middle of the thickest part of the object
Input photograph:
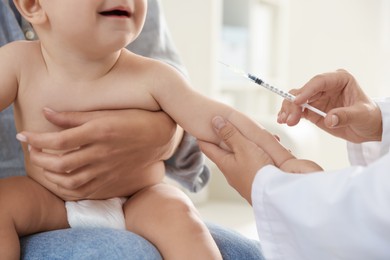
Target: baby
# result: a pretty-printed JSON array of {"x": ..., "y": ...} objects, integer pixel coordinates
[{"x": 80, "y": 64}]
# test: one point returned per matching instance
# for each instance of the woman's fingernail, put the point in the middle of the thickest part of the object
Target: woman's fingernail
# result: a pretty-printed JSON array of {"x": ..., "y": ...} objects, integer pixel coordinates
[
  {"x": 218, "y": 122},
  {"x": 282, "y": 117},
  {"x": 334, "y": 120},
  {"x": 21, "y": 138},
  {"x": 289, "y": 118}
]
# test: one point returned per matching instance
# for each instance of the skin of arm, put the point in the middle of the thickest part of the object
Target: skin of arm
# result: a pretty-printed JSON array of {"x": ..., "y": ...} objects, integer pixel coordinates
[
  {"x": 8, "y": 77},
  {"x": 194, "y": 113}
]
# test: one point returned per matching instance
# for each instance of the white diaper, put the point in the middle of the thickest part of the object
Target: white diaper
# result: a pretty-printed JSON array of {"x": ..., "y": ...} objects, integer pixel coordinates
[{"x": 96, "y": 213}]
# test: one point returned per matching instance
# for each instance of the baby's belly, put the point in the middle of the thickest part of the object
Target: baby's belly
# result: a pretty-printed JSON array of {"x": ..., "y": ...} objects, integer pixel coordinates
[
  {"x": 134, "y": 182},
  {"x": 113, "y": 185}
]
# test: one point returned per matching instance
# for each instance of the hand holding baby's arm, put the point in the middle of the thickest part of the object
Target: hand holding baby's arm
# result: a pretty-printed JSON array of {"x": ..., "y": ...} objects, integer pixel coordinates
[
  {"x": 261, "y": 137},
  {"x": 282, "y": 157},
  {"x": 246, "y": 158},
  {"x": 241, "y": 163}
]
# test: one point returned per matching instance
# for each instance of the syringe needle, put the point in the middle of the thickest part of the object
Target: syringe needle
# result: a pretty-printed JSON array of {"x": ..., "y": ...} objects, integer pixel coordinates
[
  {"x": 273, "y": 89},
  {"x": 290, "y": 97}
]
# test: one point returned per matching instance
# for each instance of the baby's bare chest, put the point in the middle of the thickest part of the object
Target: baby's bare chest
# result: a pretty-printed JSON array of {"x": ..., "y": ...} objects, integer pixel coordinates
[
  {"x": 110, "y": 93},
  {"x": 94, "y": 95}
]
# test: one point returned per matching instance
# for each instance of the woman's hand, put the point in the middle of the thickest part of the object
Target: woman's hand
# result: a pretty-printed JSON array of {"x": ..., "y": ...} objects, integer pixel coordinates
[
  {"x": 104, "y": 148},
  {"x": 351, "y": 114},
  {"x": 241, "y": 163}
]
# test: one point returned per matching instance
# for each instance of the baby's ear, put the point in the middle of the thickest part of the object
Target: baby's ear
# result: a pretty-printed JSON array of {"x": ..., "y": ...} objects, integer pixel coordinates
[{"x": 31, "y": 10}]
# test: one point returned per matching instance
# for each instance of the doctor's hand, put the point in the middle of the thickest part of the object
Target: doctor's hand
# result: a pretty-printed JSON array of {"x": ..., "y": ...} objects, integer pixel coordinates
[
  {"x": 239, "y": 165},
  {"x": 106, "y": 150},
  {"x": 351, "y": 114}
]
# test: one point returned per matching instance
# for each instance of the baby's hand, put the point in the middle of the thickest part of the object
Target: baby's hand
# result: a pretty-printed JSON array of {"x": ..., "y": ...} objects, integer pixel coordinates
[{"x": 300, "y": 166}]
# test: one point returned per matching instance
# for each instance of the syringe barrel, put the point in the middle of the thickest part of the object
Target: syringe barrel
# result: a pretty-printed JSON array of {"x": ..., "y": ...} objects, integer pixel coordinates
[{"x": 255, "y": 79}]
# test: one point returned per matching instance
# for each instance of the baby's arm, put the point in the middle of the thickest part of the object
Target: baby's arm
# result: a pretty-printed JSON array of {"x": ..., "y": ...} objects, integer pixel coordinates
[
  {"x": 8, "y": 75},
  {"x": 194, "y": 112}
]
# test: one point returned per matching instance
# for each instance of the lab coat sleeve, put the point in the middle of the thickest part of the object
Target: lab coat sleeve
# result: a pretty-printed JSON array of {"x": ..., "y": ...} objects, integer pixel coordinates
[
  {"x": 342, "y": 214},
  {"x": 366, "y": 153}
]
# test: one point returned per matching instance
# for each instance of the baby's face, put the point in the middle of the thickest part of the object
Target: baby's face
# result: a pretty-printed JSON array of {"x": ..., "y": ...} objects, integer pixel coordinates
[{"x": 102, "y": 23}]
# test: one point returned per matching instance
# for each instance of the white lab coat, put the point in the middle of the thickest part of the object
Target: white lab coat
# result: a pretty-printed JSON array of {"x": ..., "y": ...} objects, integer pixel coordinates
[{"x": 343, "y": 214}]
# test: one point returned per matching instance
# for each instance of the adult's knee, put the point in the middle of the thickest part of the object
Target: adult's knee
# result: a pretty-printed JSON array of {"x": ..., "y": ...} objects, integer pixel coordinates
[{"x": 87, "y": 243}]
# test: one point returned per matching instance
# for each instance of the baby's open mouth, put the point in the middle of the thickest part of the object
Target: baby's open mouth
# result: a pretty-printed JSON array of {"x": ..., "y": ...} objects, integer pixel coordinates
[{"x": 116, "y": 13}]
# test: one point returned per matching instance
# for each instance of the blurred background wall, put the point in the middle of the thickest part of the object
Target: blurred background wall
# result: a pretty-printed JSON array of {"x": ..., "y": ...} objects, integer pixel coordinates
[{"x": 284, "y": 42}]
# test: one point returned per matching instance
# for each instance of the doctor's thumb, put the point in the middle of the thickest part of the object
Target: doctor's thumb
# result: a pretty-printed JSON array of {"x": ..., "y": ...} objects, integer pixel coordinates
[
  {"x": 228, "y": 133},
  {"x": 341, "y": 117}
]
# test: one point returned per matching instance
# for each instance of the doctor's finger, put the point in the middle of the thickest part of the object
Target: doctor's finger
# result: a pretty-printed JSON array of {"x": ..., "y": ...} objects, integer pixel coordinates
[
  {"x": 231, "y": 136},
  {"x": 289, "y": 113},
  {"x": 215, "y": 153}
]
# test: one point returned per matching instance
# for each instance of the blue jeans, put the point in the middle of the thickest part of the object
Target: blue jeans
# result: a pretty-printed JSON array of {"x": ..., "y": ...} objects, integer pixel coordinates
[{"x": 103, "y": 243}]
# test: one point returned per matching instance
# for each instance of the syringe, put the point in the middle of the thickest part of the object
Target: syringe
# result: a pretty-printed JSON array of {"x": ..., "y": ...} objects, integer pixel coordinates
[{"x": 275, "y": 90}]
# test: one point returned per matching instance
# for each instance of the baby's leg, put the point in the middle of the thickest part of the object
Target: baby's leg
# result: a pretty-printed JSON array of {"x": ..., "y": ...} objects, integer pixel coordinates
[
  {"x": 166, "y": 217},
  {"x": 26, "y": 207}
]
